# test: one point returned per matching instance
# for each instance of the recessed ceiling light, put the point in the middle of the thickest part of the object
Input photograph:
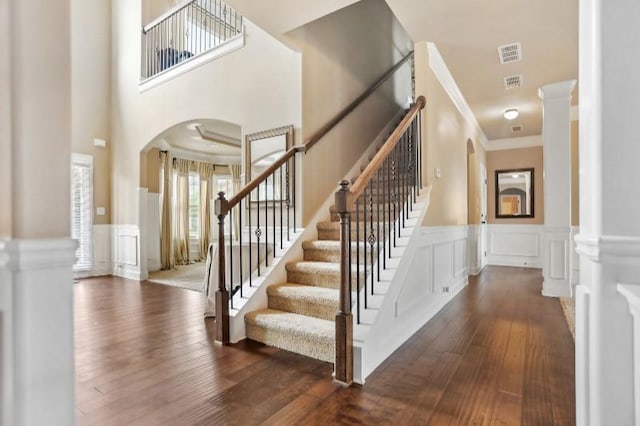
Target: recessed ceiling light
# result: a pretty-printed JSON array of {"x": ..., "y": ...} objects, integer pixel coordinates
[{"x": 511, "y": 114}]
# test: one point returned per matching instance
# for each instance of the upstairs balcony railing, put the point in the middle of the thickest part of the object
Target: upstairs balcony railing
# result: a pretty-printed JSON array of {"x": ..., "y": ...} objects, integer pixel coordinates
[{"x": 186, "y": 32}]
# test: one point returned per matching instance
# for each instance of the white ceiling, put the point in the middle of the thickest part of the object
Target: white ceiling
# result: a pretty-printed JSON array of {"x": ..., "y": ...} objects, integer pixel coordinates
[
  {"x": 185, "y": 139},
  {"x": 468, "y": 33}
]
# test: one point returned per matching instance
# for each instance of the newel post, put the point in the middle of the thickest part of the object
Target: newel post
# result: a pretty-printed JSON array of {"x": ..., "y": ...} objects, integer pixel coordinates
[
  {"x": 344, "y": 319},
  {"x": 221, "y": 208}
]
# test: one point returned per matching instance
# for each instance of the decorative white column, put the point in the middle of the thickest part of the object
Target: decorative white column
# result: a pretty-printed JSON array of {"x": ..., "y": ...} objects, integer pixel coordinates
[
  {"x": 36, "y": 253},
  {"x": 609, "y": 237},
  {"x": 556, "y": 139}
]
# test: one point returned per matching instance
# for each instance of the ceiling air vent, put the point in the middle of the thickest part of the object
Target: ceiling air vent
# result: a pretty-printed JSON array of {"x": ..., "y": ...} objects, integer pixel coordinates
[
  {"x": 510, "y": 53},
  {"x": 513, "y": 81},
  {"x": 517, "y": 128}
]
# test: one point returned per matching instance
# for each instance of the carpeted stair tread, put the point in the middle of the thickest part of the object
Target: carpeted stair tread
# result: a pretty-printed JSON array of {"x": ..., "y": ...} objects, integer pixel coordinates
[
  {"x": 318, "y": 302},
  {"x": 312, "y": 337}
]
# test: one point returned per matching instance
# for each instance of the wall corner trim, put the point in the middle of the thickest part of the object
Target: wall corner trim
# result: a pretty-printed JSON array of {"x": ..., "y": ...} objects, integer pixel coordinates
[{"x": 442, "y": 73}]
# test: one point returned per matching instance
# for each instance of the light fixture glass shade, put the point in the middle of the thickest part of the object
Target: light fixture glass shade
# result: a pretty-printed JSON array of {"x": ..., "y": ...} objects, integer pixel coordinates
[{"x": 511, "y": 114}]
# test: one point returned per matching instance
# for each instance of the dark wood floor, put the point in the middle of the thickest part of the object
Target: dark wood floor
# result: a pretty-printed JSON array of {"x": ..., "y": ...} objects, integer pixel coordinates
[{"x": 498, "y": 354}]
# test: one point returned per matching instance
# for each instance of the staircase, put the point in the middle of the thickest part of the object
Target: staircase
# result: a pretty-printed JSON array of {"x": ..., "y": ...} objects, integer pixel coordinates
[{"x": 301, "y": 312}]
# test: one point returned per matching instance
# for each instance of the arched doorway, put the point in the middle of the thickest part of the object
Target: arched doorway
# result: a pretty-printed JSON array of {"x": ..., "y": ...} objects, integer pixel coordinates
[{"x": 181, "y": 170}]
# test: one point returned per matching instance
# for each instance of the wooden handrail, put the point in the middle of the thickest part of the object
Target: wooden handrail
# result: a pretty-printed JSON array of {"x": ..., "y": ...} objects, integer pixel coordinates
[
  {"x": 361, "y": 182},
  {"x": 264, "y": 175},
  {"x": 320, "y": 133}
]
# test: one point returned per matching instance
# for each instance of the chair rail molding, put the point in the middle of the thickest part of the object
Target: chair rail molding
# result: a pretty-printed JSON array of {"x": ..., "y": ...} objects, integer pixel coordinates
[{"x": 614, "y": 249}]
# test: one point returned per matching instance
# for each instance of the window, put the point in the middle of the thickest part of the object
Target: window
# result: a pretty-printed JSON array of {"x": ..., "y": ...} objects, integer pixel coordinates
[
  {"x": 82, "y": 210},
  {"x": 223, "y": 184},
  {"x": 194, "y": 206}
]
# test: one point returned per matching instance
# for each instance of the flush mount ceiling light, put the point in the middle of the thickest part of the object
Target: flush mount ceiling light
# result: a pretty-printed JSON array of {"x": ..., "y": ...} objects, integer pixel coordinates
[{"x": 511, "y": 114}]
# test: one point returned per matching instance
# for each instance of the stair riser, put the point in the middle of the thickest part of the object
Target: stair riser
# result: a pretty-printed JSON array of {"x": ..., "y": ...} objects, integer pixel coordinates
[
  {"x": 319, "y": 279},
  {"x": 322, "y": 349},
  {"x": 332, "y": 232},
  {"x": 383, "y": 215},
  {"x": 310, "y": 309},
  {"x": 331, "y": 255}
]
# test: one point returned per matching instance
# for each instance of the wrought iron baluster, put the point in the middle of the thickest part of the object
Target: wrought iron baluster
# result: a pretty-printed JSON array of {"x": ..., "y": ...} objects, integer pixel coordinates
[
  {"x": 293, "y": 191},
  {"x": 231, "y": 289},
  {"x": 357, "y": 259},
  {"x": 266, "y": 223},
  {"x": 288, "y": 200},
  {"x": 281, "y": 211},
  {"x": 377, "y": 224},
  {"x": 240, "y": 243},
  {"x": 248, "y": 204},
  {"x": 364, "y": 244},
  {"x": 372, "y": 237},
  {"x": 258, "y": 231},
  {"x": 385, "y": 212},
  {"x": 273, "y": 210}
]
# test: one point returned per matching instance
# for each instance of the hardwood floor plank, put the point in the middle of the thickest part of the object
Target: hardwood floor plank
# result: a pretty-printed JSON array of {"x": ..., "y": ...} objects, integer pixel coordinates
[{"x": 498, "y": 354}]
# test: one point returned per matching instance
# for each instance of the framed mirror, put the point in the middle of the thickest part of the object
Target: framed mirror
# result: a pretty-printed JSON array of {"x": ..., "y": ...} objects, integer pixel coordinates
[
  {"x": 514, "y": 193},
  {"x": 262, "y": 149}
]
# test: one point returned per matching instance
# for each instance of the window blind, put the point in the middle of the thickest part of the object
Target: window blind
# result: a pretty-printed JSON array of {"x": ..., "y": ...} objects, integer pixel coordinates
[{"x": 82, "y": 210}]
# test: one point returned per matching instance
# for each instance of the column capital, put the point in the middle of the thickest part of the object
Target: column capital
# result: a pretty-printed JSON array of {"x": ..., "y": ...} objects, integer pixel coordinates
[{"x": 557, "y": 90}]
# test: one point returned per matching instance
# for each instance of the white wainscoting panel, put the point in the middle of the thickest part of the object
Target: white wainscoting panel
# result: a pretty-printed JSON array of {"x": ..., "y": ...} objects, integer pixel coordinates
[
  {"x": 515, "y": 245},
  {"x": 431, "y": 272},
  {"x": 474, "y": 249},
  {"x": 556, "y": 261},
  {"x": 422, "y": 284},
  {"x": 102, "y": 250},
  {"x": 125, "y": 251},
  {"x": 631, "y": 292}
]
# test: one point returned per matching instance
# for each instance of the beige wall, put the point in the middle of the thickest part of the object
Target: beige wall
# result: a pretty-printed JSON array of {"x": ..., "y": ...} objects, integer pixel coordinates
[
  {"x": 575, "y": 176},
  {"x": 151, "y": 178},
  {"x": 342, "y": 54},
  {"x": 36, "y": 142},
  {"x": 516, "y": 159},
  {"x": 91, "y": 93},
  {"x": 151, "y": 9},
  {"x": 445, "y": 134},
  {"x": 5, "y": 124},
  {"x": 257, "y": 87}
]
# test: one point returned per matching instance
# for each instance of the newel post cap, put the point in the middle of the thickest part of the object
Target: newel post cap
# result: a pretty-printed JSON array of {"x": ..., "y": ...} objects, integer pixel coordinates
[
  {"x": 344, "y": 197},
  {"x": 221, "y": 205}
]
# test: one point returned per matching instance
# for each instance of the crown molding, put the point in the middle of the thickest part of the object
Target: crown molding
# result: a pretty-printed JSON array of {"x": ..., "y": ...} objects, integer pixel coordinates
[
  {"x": 559, "y": 90},
  {"x": 442, "y": 73},
  {"x": 514, "y": 143}
]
